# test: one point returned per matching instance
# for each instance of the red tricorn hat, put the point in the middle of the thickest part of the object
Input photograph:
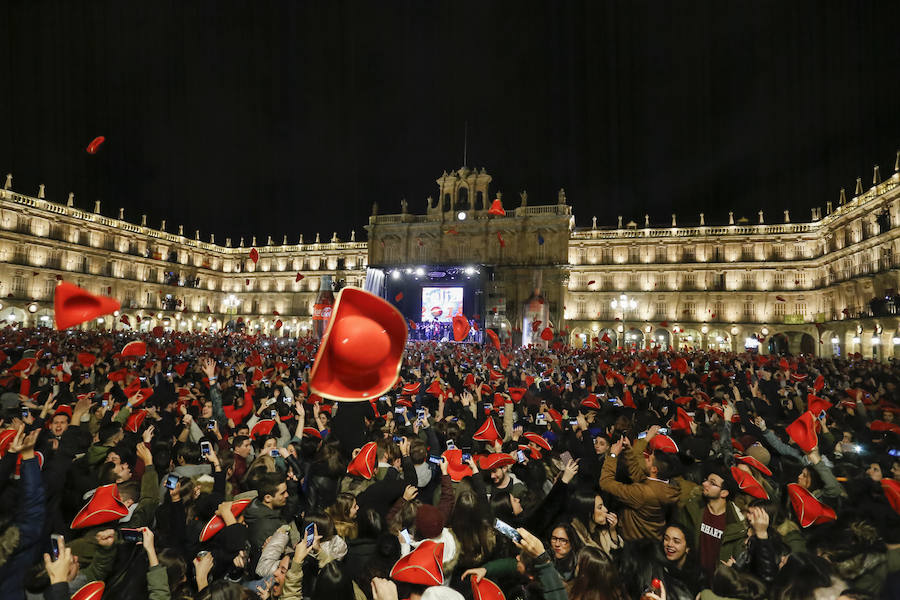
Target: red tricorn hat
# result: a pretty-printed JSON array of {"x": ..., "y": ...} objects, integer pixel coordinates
[
  {"x": 492, "y": 335},
  {"x": 747, "y": 484},
  {"x": 815, "y": 405},
  {"x": 809, "y": 510},
  {"x": 497, "y": 208},
  {"x": 181, "y": 369},
  {"x": 664, "y": 443},
  {"x": 537, "y": 439},
  {"x": 411, "y": 389},
  {"x": 263, "y": 427},
  {"x": 6, "y": 439},
  {"x": 752, "y": 462},
  {"x": 422, "y": 566},
  {"x": 516, "y": 393},
  {"x": 135, "y": 348},
  {"x": 469, "y": 380},
  {"x": 456, "y": 468},
  {"x": 117, "y": 375},
  {"x": 105, "y": 506},
  {"x": 22, "y": 365},
  {"x": 819, "y": 383},
  {"x": 312, "y": 432},
  {"x": 135, "y": 420},
  {"x": 90, "y": 591},
  {"x": 891, "y": 489},
  {"x": 435, "y": 388},
  {"x": 364, "y": 463},
  {"x": 547, "y": 334},
  {"x": 362, "y": 349},
  {"x": 682, "y": 420},
  {"x": 803, "y": 432},
  {"x": 460, "y": 327},
  {"x": 86, "y": 359},
  {"x": 73, "y": 305},
  {"x": 680, "y": 365},
  {"x": 487, "y": 432},
  {"x": 495, "y": 460},
  {"x": 216, "y": 524},
  {"x": 591, "y": 402},
  {"x": 486, "y": 590}
]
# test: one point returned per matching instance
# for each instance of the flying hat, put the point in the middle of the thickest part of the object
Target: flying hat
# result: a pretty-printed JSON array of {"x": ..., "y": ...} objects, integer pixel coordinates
[
  {"x": 747, "y": 484},
  {"x": 135, "y": 420},
  {"x": 495, "y": 339},
  {"x": 756, "y": 464},
  {"x": 803, "y": 432},
  {"x": 664, "y": 443},
  {"x": 485, "y": 589},
  {"x": 217, "y": 524},
  {"x": 809, "y": 510},
  {"x": 547, "y": 334},
  {"x": 422, "y": 566},
  {"x": 495, "y": 460},
  {"x": 496, "y": 208},
  {"x": 487, "y": 432},
  {"x": 135, "y": 348},
  {"x": 516, "y": 393},
  {"x": 105, "y": 506},
  {"x": 73, "y": 305},
  {"x": 460, "y": 327},
  {"x": 815, "y": 405},
  {"x": 362, "y": 349},
  {"x": 655, "y": 380},
  {"x": 537, "y": 439},
  {"x": 90, "y": 591},
  {"x": 262, "y": 427},
  {"x": 891, "y": 489},
  {"x": 86, "y": 359},
  {"x": 363, "y": 465}
]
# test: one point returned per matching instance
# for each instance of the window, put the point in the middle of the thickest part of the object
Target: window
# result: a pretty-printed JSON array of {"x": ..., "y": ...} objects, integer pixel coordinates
[
  {"x": 748, "y": 281},
  {"x": 779, "y": 280},
  {"x": 687, "y": 254},
  {"x": 49, "y": 288},
  {"x": 718, "y": 310},
  {"x": 800, "y": 308},
  {"x": 749, "y": 310},
  {"x": 662, "y": 310},
  {"x": 662, "y": 255},
  {"x": 779, "y": 309},
  {"x": 606, "y": 257},
  {"x": 689, "y": 282},
  {"x": 690, "y": 310},
  {"x": 18, "y": 285},
  {"x": 634, "y": 254}
]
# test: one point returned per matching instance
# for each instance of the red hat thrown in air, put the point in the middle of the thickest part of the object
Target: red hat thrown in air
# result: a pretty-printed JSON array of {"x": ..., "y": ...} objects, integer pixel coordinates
[
  {"x": 73, "y": 305},
  {"x": 105, "y": 506},
  {"x": 461, "y": 328},
  {"x": 422, "y": 566},
  {"x": 135, "y": 348},
  {"x": 362, "y": 349},
  {"x": 495, "y": 339},
  {"x": 363, "y": 465},
  {"x": 809, "y": 510}
]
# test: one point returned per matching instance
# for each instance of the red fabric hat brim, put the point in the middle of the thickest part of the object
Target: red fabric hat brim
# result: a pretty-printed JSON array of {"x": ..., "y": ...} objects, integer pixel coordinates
[
  {"x": 105, "y": 506},
  {"x": 815, "y": 405},
  {"x": 263, "y": 427},
  {"x": 90, "y": 591},
  {"x": 460, "y": 328},
  {"x": 664, "y": 443},
  {"x": 363, "y": 465},
  {"x": 747, "y": 484},
  {"x": 73, "y": 305},
  {"x": 809, "y": 511},
  {"x": 135, "y": 420},
  {"x": 411, "y": 389},
  {"x": 312, "y": 432},
  {"x": 803, "y": 432},
  {"x": 493, "y": 337},
  {"x": 217, "y": 524},
  {"x": 6, "y": 439},
  {"x": 86, "y": 359},
  {"x": 891, "y": 489},
  {"x": 752, "y": 462},
  {"x": 486, "y": 590},
  {"x": 134, "y": 349},
  {"x": 487, "y": 432},
  {"x": 422, "y": 566},
  {"x": 362, "y": 349},
  {"x": 495, "y": 461},
  {"x": 516, "y": 393},
  {"x": 539, "y": 440}
]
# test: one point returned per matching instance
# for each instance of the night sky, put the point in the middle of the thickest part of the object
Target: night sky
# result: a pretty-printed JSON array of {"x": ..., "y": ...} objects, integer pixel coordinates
[{"x": 272, "y": 118}]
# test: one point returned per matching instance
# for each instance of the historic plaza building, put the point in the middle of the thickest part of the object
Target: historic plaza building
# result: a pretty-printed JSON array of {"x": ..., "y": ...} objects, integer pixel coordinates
[{"x": 823, "y": 286}]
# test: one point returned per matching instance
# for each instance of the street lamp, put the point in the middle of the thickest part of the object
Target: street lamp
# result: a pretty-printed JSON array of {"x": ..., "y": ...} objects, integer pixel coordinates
[
  {"x": 231, "y": 303},
  {"x": 623, "y": 303}
]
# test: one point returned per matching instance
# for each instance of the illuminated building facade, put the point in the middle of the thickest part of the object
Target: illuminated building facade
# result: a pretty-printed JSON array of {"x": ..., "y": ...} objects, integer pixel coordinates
[{"x": 825, "y": 286}]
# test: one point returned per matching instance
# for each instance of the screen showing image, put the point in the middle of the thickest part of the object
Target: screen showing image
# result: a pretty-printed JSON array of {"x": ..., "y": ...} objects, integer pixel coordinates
[{"x": 441, "y": 303}]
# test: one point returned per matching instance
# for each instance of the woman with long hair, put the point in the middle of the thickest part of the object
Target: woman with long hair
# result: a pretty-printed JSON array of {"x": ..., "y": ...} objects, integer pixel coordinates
[
  {"x": 564, "y": 547},
  {"x": 469, "y": 521},
  {"x": 593, "y": 522},
  {"x": 343, "y": 512},
  {"x": 596, "y": 577}
]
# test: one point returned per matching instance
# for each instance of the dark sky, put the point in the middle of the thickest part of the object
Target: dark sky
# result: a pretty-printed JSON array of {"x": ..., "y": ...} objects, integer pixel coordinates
[{"x": 257, "y": 117}]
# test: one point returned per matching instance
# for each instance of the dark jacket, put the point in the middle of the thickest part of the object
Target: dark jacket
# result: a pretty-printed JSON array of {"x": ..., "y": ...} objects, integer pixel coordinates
[
  {"x": 735, "y": 526},
  {"x": 262, "y": 522},
  {"x": 29, "y": 520}
]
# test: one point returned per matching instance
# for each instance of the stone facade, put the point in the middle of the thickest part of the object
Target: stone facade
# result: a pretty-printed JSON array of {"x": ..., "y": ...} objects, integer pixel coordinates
[{"x": 797, "y": 286}]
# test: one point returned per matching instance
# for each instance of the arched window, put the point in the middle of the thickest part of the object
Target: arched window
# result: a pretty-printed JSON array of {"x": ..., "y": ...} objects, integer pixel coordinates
[{"x": 462, "y": 199}]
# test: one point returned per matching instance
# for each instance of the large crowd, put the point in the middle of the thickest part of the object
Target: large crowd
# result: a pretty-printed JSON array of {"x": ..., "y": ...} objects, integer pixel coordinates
[{"x": 204, "y": 467}]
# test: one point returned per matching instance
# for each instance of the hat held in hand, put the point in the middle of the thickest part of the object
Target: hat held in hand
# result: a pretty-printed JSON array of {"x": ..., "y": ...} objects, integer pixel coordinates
[
  {"x": 217, "y": 524},
  {"x": 105, "y": 506},
  {"x": 363, "y": 464},
  {"x": 362, "y": 349},
  {"x": 90, "y": 591},
  {"x": 803, "y": 432},
  {"x": 486, "y": 590},
  {"x": 73, "y": 305},
  {"x": 809, "y": 510}
]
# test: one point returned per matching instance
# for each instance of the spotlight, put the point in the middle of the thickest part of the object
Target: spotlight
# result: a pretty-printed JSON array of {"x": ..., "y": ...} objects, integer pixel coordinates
[
  {"x": 420, "y": 271},
  {"x": 395, "y": 275},
  {"x": 470, "y": 270},
  {"x": 461, "y": 216}
]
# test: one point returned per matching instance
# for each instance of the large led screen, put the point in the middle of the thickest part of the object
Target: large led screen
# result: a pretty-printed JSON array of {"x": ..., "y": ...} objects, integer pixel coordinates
[{"x": 441, "y": 303}]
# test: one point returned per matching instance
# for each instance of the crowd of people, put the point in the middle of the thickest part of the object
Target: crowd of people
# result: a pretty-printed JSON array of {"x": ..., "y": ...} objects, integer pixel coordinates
[{"x": 203, "y": 467}]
